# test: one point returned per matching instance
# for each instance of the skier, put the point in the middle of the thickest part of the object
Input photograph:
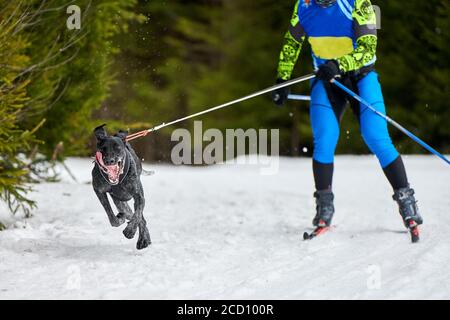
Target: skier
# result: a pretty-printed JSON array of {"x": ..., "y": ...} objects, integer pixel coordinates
[{"x": 343, "y": 39}]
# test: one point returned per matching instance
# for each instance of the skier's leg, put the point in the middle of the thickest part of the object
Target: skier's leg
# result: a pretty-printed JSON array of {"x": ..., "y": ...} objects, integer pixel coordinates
[
  {"x": 396, "y": 174},
  {"x": 375, "y": 133},
  {"x": 325, "y": 126},
  {"x": 374, "y": 128}
]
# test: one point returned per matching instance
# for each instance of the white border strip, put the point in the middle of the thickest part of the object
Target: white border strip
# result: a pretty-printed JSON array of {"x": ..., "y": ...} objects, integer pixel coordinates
[
  {"x": 344, "y": 10},
  {"x": 349, "y": 7}
]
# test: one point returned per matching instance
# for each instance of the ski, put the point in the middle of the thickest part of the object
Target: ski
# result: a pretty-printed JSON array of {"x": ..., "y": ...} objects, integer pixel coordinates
[{"x": 316, "y": 232}]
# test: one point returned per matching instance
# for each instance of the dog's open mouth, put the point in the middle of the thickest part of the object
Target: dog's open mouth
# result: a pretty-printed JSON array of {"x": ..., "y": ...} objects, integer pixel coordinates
[{"x": 113, "y": 171}]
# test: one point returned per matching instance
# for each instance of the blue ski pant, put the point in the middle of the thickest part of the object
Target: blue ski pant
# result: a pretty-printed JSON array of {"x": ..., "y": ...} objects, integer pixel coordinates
[{"x": 325, "y": 122}]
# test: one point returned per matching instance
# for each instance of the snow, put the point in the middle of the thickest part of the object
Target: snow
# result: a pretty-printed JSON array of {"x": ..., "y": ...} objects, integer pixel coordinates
[{"x": 228, "y": 232}]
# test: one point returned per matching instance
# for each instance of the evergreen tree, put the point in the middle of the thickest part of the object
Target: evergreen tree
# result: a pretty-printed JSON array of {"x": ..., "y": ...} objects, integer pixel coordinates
[
  {"x": 51, "y": 79},
  {"x": 74, "y": 77},
  {"x": 14, "y": 171}
]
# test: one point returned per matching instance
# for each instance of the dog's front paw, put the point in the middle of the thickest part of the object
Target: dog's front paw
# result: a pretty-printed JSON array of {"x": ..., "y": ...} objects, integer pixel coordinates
[
  {"x": 130, "y": 230},
  {"x": 118, "y": 221}
]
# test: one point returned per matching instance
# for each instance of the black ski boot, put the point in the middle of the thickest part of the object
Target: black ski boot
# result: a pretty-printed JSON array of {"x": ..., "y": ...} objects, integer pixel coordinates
[
  {"x": 324, "y": 208},
  {"x": 409, "y": 211},
  {"x": 407, "y": 205}
]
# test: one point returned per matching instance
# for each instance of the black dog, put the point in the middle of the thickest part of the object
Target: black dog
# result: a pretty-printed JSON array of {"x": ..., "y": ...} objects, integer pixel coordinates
[{"x": 117, "y": 171}]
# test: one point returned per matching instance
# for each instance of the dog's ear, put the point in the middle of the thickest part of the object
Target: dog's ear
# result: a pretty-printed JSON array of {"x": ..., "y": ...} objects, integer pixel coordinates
[
  {"x": 122, "y": 135},
  {"x": 100, "y": 132}
]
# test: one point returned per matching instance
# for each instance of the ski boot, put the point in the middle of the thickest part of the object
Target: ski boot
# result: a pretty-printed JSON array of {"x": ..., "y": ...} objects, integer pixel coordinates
[
  {"x": 409, "y": 211},
  {"x": 324, "y": 208},
  {"x": 324, "y": 213}
]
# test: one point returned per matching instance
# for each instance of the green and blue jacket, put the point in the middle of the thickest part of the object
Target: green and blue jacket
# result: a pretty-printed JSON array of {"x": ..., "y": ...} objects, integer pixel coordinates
[{"x": 345, "y": 32}]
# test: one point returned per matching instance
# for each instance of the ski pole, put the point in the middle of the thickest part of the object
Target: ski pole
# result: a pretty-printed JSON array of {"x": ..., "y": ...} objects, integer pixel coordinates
[
  {"x": 250, "y": 96},
  {"x": 299, "y": 97},
  {"x": 391, "y": 121}
]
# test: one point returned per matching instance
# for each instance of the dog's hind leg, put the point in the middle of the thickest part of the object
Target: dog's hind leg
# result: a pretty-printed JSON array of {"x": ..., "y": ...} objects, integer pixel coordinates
[
  {"x": 115, "y": 221},
  {"x": 138, "y": 221},
  {"x": 124, "y": 208},
  {"x": 133, "y": 224},
  {"x": 144, "y": 235}
]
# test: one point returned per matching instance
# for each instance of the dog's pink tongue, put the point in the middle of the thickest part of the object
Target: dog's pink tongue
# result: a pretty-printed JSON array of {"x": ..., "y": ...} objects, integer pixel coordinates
[{"x": 99, "y": 157}]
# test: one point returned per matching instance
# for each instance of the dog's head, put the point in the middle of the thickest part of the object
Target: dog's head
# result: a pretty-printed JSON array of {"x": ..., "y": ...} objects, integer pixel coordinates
[{"x": 111, "y": 153}]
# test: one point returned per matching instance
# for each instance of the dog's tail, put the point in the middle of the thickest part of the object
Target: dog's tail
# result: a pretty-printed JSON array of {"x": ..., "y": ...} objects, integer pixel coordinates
[{"x": 147, "y": 172}]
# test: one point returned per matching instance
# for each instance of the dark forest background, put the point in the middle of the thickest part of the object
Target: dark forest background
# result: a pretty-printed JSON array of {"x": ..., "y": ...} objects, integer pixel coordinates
[
  {"x": 135, "y": 64},
  {"x": 190, "y": 55}
]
